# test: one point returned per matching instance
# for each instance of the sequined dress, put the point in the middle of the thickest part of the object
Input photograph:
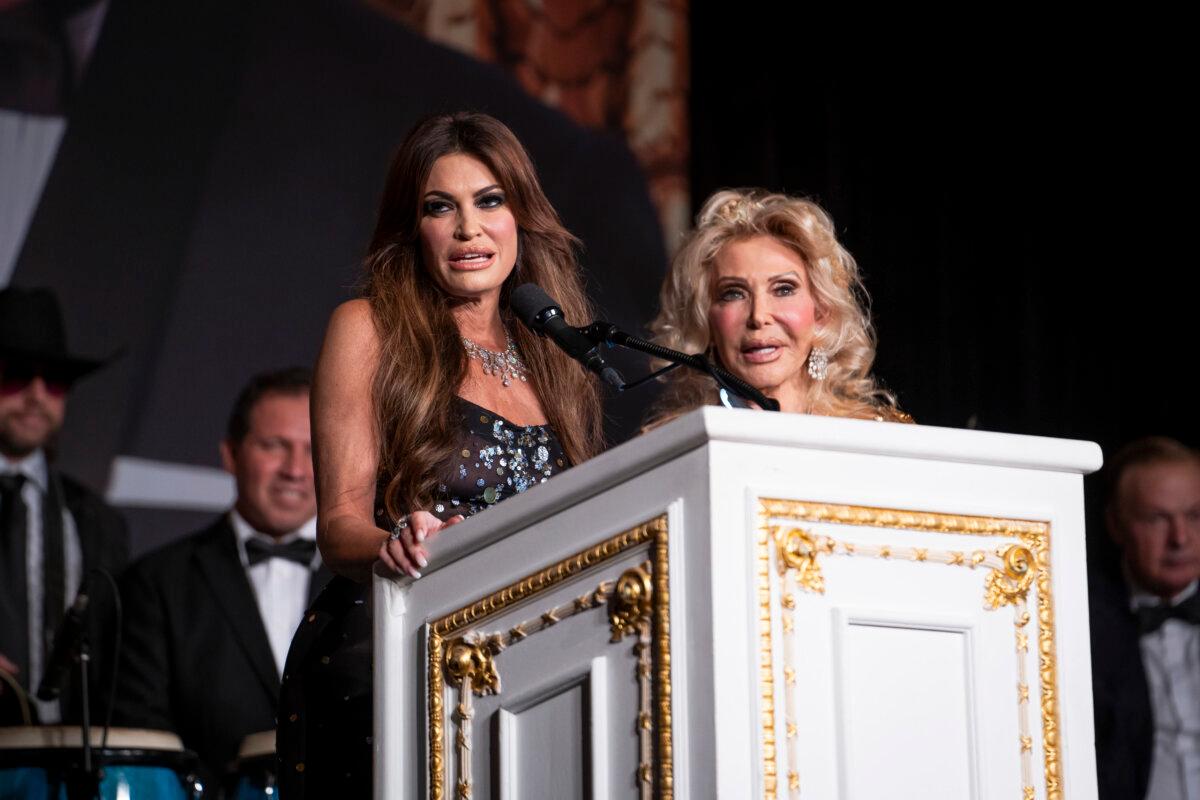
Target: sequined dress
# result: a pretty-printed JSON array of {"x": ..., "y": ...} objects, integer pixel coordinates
[
  {"x": 325, "y": 708},
  {"x": 496, "y": 460}
]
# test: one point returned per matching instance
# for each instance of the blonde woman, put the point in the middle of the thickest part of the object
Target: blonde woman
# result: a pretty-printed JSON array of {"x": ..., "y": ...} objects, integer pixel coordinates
[{"x": 765, "y": 288}]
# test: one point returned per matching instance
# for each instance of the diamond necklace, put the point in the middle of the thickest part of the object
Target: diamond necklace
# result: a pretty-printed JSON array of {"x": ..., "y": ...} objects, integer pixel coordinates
[{"x": 507, "y": 364}]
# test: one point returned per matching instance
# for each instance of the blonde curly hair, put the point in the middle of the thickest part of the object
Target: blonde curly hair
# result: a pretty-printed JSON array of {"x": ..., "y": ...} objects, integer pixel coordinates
[{"x": 843, "y": 329}]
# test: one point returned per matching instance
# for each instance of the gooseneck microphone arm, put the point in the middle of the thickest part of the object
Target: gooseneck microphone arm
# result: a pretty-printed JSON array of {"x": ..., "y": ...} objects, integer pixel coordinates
[
  {"x": 542, "y": 315},
  {"x": 601, "y": 332}
]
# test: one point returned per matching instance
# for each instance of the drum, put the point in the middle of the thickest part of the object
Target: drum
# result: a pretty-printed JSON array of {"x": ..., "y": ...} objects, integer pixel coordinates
[
  {"x": 35, "y": 763},
  {"x": 254, "y": 774}
]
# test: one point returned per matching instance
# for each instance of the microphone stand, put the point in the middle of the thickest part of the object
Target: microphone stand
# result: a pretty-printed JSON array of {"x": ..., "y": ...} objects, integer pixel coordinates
[
  {"x": 601, "y": 332},
  {"x": 71, "y": 644},
  {"x": 84, "y": 783}
]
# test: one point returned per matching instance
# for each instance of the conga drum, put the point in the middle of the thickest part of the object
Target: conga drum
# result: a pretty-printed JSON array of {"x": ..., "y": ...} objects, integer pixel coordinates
[
  {"x": 253, "y": 776},
  {"x": 36, "y": 762}
]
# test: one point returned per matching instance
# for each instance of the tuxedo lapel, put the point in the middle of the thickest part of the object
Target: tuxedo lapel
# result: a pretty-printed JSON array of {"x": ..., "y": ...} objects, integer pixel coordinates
[{"x": 222, "y": 570}]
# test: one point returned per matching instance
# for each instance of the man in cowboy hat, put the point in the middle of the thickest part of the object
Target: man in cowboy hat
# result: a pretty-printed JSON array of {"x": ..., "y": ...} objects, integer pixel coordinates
[{"x": 53, "y": 531}]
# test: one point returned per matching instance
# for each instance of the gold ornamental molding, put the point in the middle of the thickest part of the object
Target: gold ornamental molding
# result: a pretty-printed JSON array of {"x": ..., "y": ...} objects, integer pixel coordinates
[
  {"x": 458, "y": 655},
  {"x": 630, "y": 606},
  {"x": 472, "y": 661},
  {"x": 1013, "y": 570},
  {"x": 1007, "y": 586}
]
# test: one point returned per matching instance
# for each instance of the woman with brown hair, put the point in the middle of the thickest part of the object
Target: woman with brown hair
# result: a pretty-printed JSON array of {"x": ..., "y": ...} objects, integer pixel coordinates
[
  {"x": 429, "y": 405},
  {"x": 765, "y": 288}
]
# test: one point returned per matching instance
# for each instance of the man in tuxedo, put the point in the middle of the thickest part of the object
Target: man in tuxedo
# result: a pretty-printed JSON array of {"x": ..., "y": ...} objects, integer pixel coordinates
[
  {"x": 53, "y": 531},
  {"x": 209, "y": 618},
  {"x": 1146, "y": 627}
]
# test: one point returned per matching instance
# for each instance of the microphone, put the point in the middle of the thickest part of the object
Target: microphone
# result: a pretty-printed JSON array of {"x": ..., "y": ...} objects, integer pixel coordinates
[
  {"x": 66, "y": 645},
  {"x": 538, "y": 312}
]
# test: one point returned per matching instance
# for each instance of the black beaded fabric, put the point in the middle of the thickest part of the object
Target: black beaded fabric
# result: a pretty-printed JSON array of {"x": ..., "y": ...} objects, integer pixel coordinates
[
  {"x": 494, "y": 460},
  {"x": 326, "y": 704}
]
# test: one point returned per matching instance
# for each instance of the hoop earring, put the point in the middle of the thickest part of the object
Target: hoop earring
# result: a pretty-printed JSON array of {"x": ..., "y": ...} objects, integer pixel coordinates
[{"x": 818, "y": 364}]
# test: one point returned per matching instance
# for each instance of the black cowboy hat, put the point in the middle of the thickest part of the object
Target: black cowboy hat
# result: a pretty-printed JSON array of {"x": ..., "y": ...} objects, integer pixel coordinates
[{"x": 32, "y": 331}]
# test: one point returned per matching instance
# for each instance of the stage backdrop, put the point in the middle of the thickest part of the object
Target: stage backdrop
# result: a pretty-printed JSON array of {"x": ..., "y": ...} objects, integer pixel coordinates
[{"x": 214, "y": 189}]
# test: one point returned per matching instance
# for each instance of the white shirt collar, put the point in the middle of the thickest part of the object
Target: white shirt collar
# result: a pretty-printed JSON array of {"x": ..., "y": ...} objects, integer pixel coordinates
[
  {"x": 1140, "y": 597},
  {"x": 244, "y": 531},
  {"x": 33, "y": 467}
]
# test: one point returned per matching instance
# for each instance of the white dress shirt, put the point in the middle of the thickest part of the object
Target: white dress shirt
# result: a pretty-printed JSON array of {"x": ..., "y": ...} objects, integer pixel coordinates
[
  {"x": 37, "y": 482},
  {"x": 1171, "y": 656},
  {"x": 280, "y": 586}
]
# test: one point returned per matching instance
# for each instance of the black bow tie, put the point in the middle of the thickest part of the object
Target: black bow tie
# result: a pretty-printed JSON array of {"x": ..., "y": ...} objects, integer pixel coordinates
[
  {"x": 301, "y": 551},
  {"x": 1151, "y": 618}
]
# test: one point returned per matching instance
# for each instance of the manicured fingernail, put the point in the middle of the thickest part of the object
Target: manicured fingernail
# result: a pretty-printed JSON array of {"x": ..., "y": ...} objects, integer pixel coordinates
[
  {"x": 421, "y": 560},
  {"x": 416, "y": 574},
  {"x": 420, "y": 536}
]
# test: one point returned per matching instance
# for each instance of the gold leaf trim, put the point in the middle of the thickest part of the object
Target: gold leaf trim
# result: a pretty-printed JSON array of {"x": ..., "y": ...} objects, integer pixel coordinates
[
  {"x": 766, "y": 666},
  {"x": 871, "y": 516},
  {"x": 662, "y": 641}
]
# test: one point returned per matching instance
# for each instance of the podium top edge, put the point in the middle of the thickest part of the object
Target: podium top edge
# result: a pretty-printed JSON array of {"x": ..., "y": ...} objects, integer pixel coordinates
[{"x": 881, "y": 438}]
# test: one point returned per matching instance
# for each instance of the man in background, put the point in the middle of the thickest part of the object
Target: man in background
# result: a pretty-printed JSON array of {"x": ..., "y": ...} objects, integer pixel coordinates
[
  {"x": 53, "y": 531},
  {"x": 209, "y": 618},
  {"x": 1146, "y": 627}
]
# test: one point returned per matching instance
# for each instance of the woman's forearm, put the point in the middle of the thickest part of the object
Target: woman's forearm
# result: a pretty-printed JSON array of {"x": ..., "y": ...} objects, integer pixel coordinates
[{"x": 349, "y": 545}]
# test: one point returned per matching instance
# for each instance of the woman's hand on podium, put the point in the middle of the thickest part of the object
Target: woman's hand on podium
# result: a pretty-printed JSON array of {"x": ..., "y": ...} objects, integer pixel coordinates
[{"x": 403, "y": 552}]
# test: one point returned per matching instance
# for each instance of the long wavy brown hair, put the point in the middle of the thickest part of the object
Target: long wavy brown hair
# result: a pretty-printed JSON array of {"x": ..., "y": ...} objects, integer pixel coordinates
[
  {"x": 422, "y": 362},
  {"x": 845, "y": 331}
]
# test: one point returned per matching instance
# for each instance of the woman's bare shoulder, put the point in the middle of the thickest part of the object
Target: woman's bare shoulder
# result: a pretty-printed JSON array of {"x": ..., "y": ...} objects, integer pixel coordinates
[
  {"x": 352, "y": 327},
  {"x": 354, "y": 317}
]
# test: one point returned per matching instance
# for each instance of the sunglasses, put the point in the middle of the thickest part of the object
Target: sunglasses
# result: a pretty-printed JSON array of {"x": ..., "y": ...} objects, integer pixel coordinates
[{"x": 16, "y": 376}]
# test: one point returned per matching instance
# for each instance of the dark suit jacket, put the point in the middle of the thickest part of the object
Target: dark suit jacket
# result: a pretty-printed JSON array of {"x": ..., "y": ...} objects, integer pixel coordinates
[
  {"x": 196, "y": 658},
  {"x": 104, "y": 543},
  {"x": 1121, "y": 695}
]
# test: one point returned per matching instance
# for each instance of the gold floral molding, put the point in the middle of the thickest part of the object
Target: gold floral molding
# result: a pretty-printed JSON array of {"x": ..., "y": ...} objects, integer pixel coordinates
[
  {"x": 630, "y": 608},
  {"x": 1014, "y": 570},
  {"x": 1009, "y": 578},
  {"x": 472, "y": 661},
  {"x": 1006, "y": 586},
  {"x": 449, "y": 640},
  {"x": 798, "y": 551}
]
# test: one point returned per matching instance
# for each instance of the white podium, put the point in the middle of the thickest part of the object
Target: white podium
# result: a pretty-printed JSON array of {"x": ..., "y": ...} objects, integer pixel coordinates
[{"x": 752, "y": 605}]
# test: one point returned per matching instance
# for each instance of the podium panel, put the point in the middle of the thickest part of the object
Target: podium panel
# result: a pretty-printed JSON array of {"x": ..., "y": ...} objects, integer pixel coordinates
[
  {"x": 924, "y": 640},
  {"x": 582, "y": 648}
]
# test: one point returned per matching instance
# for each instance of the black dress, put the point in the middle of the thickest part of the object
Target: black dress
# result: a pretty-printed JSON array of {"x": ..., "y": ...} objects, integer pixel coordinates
[{"x": 325, "y": 703}]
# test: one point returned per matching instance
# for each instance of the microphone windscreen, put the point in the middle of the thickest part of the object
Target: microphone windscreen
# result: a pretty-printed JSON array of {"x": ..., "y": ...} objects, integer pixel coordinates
[{"x": 528, "y": 300}]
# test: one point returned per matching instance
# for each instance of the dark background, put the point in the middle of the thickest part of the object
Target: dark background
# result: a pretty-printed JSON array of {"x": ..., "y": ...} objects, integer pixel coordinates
[
  {"x": 1017, "y": 194},
  {"x": 214, "y": 192},
  {"x": 1018, "y": 199}
]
